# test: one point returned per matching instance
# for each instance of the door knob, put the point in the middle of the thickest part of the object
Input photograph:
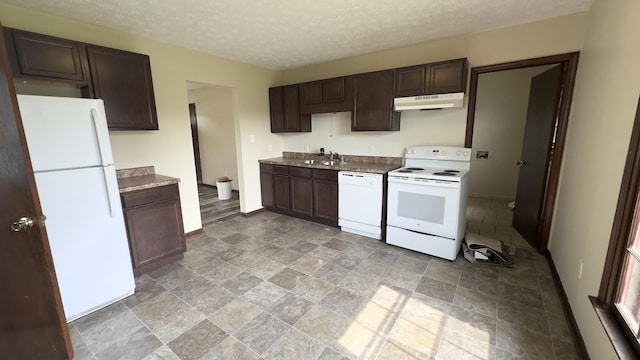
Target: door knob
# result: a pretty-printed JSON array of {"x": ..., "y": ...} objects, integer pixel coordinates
[
  {"x": 25, "y": 223},
  {"x": 521, "y": 163}
]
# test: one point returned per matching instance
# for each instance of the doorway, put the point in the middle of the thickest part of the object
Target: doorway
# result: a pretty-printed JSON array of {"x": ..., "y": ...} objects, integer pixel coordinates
[
  {"x": 567, "y": 64},
  {"x": 212, "y": 110},
  {"x": 214, "y": 107}
]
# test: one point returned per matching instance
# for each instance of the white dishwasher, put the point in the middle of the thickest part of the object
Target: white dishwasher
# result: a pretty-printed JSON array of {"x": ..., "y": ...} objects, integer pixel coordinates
[{"x": 360, "y": 203}]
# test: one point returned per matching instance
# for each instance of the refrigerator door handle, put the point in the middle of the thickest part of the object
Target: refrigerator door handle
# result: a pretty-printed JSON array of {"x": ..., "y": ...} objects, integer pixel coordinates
[
  {"x": 100, "y": 134},
  {"x": 110, "y": 185}
]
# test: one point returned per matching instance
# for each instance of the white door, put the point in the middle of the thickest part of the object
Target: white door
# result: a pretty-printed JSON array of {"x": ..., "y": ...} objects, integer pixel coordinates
[
  {"x": 426, "y": 206},
  {"x": 88, "y": 240},
  {"x": 65, "y": 133}
]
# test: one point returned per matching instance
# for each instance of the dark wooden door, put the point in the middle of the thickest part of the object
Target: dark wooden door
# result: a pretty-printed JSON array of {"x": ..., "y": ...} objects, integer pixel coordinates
[
  {"x": 196, "y": 142},
  {"x": 373, "y": 103},
  {"x": 446, "y": 77},
  {"x": 409, "y": 81},
  {"x": 123, "y": 80},
  {"x": 276, "y": 109},
  {"x": 32, "y": 320},
  {"x": 281, "y": 192},
  {"x": 544, "y": 97},
  {"x": 266, "y": 188},
  {"x": 301, "y": 195},
  {"x": 41, "y": 56}
]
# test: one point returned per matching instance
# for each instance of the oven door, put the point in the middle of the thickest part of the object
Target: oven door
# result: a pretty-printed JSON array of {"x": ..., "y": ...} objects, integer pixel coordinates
[{"x": 423, "y": 205}]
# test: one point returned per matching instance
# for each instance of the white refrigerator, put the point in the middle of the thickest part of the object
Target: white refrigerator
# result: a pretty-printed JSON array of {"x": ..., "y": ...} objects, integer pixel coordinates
[{"x": 70, "y": 151}]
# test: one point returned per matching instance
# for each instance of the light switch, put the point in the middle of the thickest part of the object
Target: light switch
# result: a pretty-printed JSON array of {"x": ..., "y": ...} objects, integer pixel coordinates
[{"x": 252, "y": 138}]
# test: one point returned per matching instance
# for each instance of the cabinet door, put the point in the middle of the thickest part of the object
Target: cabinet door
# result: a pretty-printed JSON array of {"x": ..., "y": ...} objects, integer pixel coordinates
[
  {"x": 41, "y": 56},
  {"x": 326, "y": 204},
  {"x": 373, "y": 103},
  {"x": 154, "y": 233},
  {"x": 325, "y": 96},
  {"x": 281, "y": 192},
  {"x": 409, "y": 81},
  {"x": 123, "y": 80},
  {"x": 301, "y": 196},
  {"x": 284, "y": 108},
  {"x": 154, "y": 225},
  {"x": 293, "y": 121},
  {"x": 325, "y": 195},
  {"x": 266, "y": 189},
  {"x": 446, "y": 77},
  {"x": 276, "y": 109},
  {"x": 334, "y": 90},
  {"x": 310, "y": 96}
]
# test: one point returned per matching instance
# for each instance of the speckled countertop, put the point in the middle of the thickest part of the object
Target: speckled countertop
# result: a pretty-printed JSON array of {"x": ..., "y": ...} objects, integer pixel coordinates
[
  {"x": 142, "y": 178},
  {"x": 368, "y": 164}
]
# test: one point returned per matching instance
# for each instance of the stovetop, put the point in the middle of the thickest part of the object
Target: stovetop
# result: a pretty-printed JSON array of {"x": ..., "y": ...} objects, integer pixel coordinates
[
  {"x": 435, "y": 173},
  {"x": 435, "y": 162}
]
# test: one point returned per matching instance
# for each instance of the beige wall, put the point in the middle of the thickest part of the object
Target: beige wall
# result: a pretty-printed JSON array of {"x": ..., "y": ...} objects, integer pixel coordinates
[
  {"x": 498, "y": 127},
  {"x": 170, "y": 148},
  {"x": 604, "y": 105},
  {"x": 216, "y": 132},
  {"x": 555, "y": 36},
  {"x": 445, "y": 127}
]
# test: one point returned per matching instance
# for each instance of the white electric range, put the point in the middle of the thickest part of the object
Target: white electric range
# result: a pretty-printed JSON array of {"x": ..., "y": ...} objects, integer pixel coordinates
[{"x": 427, "y": 200}]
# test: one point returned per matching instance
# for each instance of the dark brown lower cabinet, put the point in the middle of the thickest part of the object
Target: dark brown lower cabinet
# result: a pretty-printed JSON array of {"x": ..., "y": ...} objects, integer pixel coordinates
[
  {"x": 274, "y": 185},
  {"x": 325, "y": 194},
  {"x": 154, "y": 225},
  {"x": 310, "y": 194},
  {"x": 301, "y": 185}
]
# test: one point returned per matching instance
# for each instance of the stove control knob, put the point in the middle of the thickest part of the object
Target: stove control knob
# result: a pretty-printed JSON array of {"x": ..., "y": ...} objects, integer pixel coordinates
[
  {"x": 458, "y": 152},
  {"x": 466, "y": 153}
]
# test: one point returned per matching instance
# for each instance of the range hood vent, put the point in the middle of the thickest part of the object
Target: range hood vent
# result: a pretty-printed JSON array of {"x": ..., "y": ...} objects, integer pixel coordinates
[{"x": 439, "y": 101}]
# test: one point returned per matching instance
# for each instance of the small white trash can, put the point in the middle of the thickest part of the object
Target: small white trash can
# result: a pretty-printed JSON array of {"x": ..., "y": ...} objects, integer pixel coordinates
[{"x": 224, "y": 189}]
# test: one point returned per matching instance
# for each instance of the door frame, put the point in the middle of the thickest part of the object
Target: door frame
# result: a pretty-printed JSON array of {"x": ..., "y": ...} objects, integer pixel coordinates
[{"x": 569, "y": 64}]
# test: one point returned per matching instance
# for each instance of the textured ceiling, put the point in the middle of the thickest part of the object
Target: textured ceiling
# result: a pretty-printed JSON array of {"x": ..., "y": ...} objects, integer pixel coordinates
[{"x": 284, "y": 34}]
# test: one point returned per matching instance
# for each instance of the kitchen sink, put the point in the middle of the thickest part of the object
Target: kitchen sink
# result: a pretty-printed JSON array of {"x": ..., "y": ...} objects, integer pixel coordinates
[
  {"x": 332, "y": 162},
  {"x": 312, "y": 161}
]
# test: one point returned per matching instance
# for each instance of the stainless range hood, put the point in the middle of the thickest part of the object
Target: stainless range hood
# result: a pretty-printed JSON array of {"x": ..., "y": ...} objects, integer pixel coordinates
[{"x": 439, "y": 101}]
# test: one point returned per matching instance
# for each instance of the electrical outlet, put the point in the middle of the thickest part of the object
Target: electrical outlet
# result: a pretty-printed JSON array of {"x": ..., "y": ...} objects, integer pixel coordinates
[
  {"x": 580, "y": 266},
  {"x": 371, "y": 150},
  {"x": 270, "y": 148},
  {"x": 252, "y": 138},
  {"x": 306, "y": 148}
]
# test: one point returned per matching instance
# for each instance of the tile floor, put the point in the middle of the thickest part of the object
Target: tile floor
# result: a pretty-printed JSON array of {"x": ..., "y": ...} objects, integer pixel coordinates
[{"x": 275, "y": 287}]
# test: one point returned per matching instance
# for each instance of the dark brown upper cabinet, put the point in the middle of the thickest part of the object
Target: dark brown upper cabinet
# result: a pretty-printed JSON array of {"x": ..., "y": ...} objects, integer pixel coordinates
[
  {"x": 284, "y": 107},
  {"x": 326, "y": 96},
  {"x": 38, "y": 56},
  {"x": 123, "y": 80},
  {"x": 373, "y": 103},
  {"x": 434, "y": 78}
]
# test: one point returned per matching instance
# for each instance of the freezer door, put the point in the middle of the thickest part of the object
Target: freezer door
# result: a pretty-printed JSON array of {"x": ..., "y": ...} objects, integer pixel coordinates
[
  {"x": 65, "y": 133},
  {"x": 88, "y": 240}
]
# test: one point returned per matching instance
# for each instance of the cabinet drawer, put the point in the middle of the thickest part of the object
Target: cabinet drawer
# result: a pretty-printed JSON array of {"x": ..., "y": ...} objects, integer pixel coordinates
[
  {"x": 331, "y": 175},
  {"x": 301, "y": 172},
  {"x": 267, "y": 168},
  {"x": 148, "y": 196}
]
